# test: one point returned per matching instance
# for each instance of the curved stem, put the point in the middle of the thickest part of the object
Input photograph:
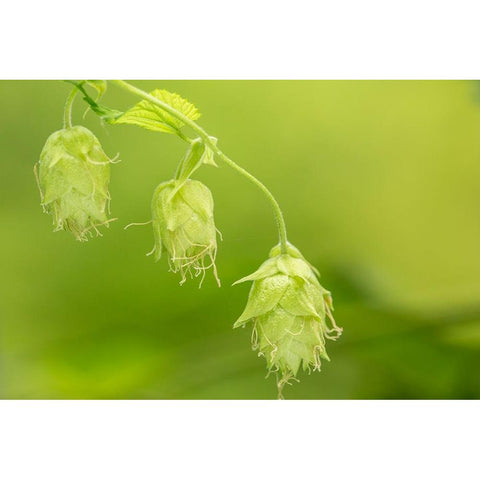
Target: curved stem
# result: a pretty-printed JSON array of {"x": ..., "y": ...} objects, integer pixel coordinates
[
  {"x": 67, "y": 112},
  {"x": 280, "y": 221}
]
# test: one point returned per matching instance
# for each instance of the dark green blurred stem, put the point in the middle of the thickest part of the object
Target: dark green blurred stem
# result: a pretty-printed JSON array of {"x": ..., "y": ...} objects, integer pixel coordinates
[
  {"x": 67, "y": 112},
  {"x": 280, "y": 221}
]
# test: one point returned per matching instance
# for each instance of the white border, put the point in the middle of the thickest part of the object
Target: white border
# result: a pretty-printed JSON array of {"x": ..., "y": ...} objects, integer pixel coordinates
[
  {"x": 233, "y": 439},
  {"x": 213, "y": 39}
]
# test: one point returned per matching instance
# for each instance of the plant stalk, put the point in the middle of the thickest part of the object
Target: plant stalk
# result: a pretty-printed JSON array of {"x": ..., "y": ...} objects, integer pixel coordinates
[{"x": 67, "y": 112}]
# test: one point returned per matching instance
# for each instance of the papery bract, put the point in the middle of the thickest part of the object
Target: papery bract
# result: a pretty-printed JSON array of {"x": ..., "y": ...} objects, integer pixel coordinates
[
  {"x": 73, "y": 176},
  {"x": 289, "y": 309},
  {"x": 184, "y": 227}
]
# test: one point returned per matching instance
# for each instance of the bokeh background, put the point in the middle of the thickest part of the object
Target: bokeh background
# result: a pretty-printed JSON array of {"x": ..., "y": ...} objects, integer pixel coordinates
[{"x": 379, "y": 182}]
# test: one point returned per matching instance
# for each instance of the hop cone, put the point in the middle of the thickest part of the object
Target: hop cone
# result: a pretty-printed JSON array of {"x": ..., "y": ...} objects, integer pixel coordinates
[
  {"x": 289, "y": 310},
  {"x": 183, "y": 226},
  {"x": 73, "y": 176}
]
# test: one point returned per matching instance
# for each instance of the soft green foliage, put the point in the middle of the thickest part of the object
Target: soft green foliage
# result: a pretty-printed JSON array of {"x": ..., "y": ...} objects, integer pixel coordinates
[
  {"x": 148, "y": 115},
  {"x": 289, "y": 310},
  {"x": 183, "y": 226},
  {"x": 73, "y": 177}
]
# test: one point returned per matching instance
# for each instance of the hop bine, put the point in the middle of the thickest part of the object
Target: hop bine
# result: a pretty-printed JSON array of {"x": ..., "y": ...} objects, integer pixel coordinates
[
  {"x": 183, "y": 227},
  {"x": 73, "y": 175},
  {"x": 291, "y": 314}
]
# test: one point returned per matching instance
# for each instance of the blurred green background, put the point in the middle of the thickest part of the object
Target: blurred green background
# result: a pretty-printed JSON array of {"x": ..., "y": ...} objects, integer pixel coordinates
[{"x": 379, "y": 185}]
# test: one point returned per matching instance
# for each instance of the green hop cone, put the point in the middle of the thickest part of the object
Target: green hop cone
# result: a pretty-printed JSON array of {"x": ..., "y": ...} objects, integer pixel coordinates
[
  {"x": 183, "y": 226},
  {"x": 289, "y": 310},
  {"x": 73, "y": 175}
]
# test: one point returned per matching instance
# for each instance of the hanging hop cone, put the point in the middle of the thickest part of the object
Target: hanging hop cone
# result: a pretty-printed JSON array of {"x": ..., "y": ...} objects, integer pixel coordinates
[
  {"x": 73, "y": 176},
  {"x": 183, "y": 226},
  {"x": 289, "y": 309}
]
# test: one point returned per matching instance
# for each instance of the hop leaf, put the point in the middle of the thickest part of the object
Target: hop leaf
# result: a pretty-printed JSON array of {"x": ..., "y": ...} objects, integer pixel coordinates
[
  {"x": 73, "y": 175},
  {"x": 183, "y": 226},
  {"x": 289, "y": 309},
  {"x": 148, "y": 115}
]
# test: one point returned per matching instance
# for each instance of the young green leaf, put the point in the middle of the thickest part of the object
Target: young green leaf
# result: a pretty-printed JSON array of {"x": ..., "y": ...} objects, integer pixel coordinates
[
  {"x": 197, "y": 155},
  {"x": 193, "y": 159},
  {"x": 209, "y": 157},
  {"x": 147, "y": 115}
]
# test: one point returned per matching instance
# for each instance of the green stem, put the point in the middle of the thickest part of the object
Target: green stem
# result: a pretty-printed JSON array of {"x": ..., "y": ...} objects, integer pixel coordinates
[
  {"x": 67, "y": 112},
  {"x": 280, "y": 221}
]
